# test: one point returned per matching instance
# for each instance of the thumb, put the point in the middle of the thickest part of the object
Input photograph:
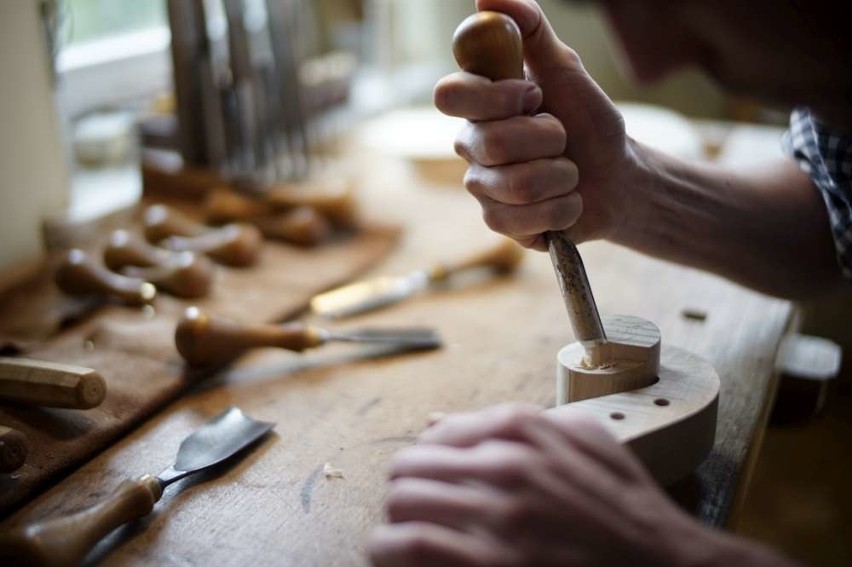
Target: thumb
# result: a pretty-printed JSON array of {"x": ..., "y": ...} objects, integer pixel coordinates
[{"x": 543, "y": 49}]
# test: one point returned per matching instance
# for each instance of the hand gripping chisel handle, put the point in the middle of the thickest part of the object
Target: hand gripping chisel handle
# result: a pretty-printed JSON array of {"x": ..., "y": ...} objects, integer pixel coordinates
[{"x": 490, "y": 44}]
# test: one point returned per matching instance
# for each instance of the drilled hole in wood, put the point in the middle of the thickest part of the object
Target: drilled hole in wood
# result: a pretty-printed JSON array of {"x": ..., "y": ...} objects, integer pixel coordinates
[
  {"x": 661, "y": 402},
  {"x": 617, "y": 415}
]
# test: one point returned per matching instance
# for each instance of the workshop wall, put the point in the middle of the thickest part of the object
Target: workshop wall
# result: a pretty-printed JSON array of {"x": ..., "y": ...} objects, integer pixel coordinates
[{"x": 33, "y": 180}]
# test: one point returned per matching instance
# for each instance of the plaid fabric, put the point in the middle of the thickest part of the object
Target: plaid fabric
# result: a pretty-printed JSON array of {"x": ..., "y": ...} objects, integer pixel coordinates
[{"x": 826, "y": 156}]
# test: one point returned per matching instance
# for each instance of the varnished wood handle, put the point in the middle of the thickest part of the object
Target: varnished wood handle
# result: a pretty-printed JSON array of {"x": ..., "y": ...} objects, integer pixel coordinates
[
  {"x": 42, "y": 383},
  {"x": 204, "y": 340},
  {"x": 333, "y": 200},
  {"x": 235, "y": 245},
  {"x": 504, "y": 257},
  {"x": 301, "y": 225},
  {"x": 79, "y": 275},
  {"x": 161, "y": 222},
  {"x": 185, "y": 274},
  {"x": 126, "y": 249},
  {"x": 13, "y": 449},
  {"x": 66, "y": 541},
  {"x": 490, "y": 44}
]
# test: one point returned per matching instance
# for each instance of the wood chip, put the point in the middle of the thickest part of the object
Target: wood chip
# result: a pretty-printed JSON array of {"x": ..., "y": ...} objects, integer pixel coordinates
[{"x": 331, "y": 472}]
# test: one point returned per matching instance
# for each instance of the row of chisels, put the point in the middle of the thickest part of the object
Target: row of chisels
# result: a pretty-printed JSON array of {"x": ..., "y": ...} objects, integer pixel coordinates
[{"x": 237, "y": 85}]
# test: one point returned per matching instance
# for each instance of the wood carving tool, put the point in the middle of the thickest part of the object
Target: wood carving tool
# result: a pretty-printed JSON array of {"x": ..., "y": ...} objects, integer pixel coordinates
[
  {"x": 204, "y": 340},
  {"x": 67, "y": 540},
  {"x": 236, "y": 244},
  {"x": 382, "y": 291},
  {"x": 183, "y": 274},
  {"x": 14, "y": 449},
  {"x": 282, "y": 31},
  {"x": 661, "y": 402},
  {"x": 301, "y": 225},
  {"x": 50, "y": 384},
  {"x": 489, "y": 44},
  {"x": 78, "y": 274}
]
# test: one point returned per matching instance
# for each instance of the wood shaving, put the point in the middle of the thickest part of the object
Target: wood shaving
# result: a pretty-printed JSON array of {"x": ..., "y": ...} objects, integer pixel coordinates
[{"x": 331, "y": 472}]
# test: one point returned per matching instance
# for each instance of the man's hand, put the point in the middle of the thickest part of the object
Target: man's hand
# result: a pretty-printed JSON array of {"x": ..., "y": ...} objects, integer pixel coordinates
[
  {"x": 564, "y": 168},
  {"x": 513, "y": 486}
]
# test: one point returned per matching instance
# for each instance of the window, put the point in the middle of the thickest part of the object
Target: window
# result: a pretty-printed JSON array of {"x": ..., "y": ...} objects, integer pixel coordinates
[{"x": 88, "y": 20}]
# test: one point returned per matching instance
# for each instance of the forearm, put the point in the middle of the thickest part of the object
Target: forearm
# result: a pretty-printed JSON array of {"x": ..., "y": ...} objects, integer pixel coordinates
[{"x": 765, "y": 228}]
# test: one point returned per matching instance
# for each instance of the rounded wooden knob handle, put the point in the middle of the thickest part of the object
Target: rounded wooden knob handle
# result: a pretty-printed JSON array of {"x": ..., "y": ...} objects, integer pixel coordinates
[
  {"x": 333, "y": 200},
  {"x": 161, "y": 222},
  {"x": 235, "y": 245},
  {"x": 126, "y": 249},
  {"x": 204, "y": 340},
  {"x": 490, "y": 44},
  {"x": 79, "y": 275},
  {"x": 13, "y": 449},
  {"x": 301, "y": 225},
  {"x": 184, "y": 274}
]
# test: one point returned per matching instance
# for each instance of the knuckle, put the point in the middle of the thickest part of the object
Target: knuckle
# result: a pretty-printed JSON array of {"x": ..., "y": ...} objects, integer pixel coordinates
[
  {"x": 496, "y": 147},
  {"x": 494, "y": 219},
  {"x": 517, "y": 187}
]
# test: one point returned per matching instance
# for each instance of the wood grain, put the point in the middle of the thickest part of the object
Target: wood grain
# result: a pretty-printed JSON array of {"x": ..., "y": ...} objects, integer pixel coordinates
[
  {"x": 354, "y": 406},
  {"x": 133, "y": 349}
]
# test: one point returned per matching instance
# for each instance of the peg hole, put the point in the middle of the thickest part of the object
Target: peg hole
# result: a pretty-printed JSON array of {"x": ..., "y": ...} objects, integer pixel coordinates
[
  {"x": 618, "y": 416},
  {"x": 661, "y": 402}
]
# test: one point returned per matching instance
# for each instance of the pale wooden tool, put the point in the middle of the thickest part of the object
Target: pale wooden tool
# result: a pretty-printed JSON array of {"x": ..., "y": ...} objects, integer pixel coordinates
[
  {"x": 206, "y": 340},
  {"x": 490, "y": 44},
  {"x": 67, "y": 540},
  {"x": 301, "y": 225},
  {"x": 234, "y": 244},
  {"x": 14, "y": 449},
  {"x": 183, "y": 274},
  {"x": 79, "y": 275},
  {"x": 50, "y": 384},
  {"x": 504, "y": 257},
  {"x": 664, "y": 408}
]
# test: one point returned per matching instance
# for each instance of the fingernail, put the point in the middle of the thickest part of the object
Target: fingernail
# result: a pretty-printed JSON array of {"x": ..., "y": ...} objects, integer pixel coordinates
[{"x": 531, "y": 100}]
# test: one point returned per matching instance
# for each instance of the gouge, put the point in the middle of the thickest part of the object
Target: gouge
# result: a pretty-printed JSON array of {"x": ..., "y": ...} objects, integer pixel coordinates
[
  {"x": 67, "y": 540},
  {"x": 490, "y": 44},
  {"x": 204, "y": 340},
  {"x": 374, "y": 293},
  {"x": 42, "y": 383}
]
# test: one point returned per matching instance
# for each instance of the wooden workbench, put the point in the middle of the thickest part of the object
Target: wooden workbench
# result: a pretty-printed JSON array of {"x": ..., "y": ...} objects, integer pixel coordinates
[{"x": 348, "y": 406}]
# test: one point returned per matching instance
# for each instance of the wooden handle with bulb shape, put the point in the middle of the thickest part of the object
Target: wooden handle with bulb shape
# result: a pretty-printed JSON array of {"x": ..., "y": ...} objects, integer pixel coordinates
[
  {"x": 490, "y": 44},
  {"x": 78, "y": 274},
  {"x": 237, "y": 245},
  {"x": 206, "y": 340},
  {"x": 183, "y": 274}
]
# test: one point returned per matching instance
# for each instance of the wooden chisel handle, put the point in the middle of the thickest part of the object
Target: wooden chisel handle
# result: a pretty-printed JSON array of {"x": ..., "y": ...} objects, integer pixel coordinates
[
  {"x": 490, "y": 44},
  {"x": 13, "y": 449},
  {"x": 41, "y": 383},
  {"x": 205, "y": 340},
  {"x": 503, "y": 257},
  {"x": 65, "y": 541},
  {"x": 79, "y": 275}
]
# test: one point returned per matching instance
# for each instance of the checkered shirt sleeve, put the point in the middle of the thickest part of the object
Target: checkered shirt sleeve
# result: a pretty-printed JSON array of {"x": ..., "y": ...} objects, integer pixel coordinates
[{"x": 826, "y": 156}]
